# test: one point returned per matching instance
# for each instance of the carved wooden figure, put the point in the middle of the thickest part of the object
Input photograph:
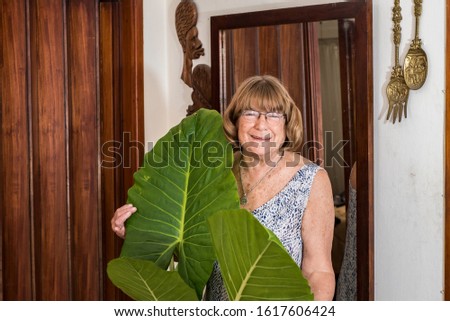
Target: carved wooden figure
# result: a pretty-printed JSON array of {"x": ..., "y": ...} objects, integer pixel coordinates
[
  {"x": 201, "y": 85},
  {"x": 186, "y": 26}
]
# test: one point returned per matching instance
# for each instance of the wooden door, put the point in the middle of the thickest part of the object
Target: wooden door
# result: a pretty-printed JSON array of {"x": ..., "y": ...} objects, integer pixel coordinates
[{"x": 71, "y": 85}]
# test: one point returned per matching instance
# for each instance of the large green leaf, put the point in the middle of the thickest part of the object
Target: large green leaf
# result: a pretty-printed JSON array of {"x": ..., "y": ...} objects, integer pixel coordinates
[
  {"x": 253, "y": 262},
  {"x": 143, "y": 280},
  {"x": 186, "y": 177}
]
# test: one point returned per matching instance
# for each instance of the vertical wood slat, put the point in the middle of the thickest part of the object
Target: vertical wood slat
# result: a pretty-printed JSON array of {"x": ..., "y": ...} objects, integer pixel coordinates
[
  {"x": 83, "y": 130},
  {"x": 131, "y": 103},
  {"x": 268, "y": 50},
  {"x": 292, "y": 69},
  {"x": 121, "y": 77},
  {"x": 364, "y": 153},
  {"x": 111, "y": 129},
  {"x": 244, "y": 46},
  {"x": 48, "y": 108},
  {"x": 313, "y": 113},
  {"x": 108, "y": 139},
  {"x": 226, "y": 71},
  {"x": 132, "y": 89},
  {"x": 14, "y": 159}
]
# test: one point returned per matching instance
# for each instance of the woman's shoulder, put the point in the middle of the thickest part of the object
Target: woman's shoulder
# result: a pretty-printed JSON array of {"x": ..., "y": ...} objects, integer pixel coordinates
[
  {"x": 300, "y": 163},
  {"x": 310, "y": 173}
]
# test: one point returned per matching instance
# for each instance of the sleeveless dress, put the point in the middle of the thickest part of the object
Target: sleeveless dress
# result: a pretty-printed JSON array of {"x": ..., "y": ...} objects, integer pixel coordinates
[
  {"x": 346, "y": 284},
  {"x": 283, "y": 215}
]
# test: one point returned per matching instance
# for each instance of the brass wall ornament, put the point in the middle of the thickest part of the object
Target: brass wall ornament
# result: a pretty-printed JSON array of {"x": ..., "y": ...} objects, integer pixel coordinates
[
  {"x": 415, "y": 67},
  {"x": 397, "y": 91}
]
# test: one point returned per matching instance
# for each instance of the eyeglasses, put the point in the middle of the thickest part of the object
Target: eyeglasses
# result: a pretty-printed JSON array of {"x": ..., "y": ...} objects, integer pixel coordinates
[{"x": 252, "y": 116}]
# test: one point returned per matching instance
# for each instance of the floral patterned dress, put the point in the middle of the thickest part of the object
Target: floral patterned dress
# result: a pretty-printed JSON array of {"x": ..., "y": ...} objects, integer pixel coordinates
[{"x": 283, "y": 215}]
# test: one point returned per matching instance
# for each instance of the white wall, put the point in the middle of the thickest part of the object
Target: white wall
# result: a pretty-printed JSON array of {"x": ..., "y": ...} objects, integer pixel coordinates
[
  {"x": 408, "y": 156},
  {"x": 409, "y": 163}
]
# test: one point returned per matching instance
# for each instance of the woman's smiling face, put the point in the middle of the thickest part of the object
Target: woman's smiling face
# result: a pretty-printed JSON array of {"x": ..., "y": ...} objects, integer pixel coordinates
[{"x": 260, "y": 136}]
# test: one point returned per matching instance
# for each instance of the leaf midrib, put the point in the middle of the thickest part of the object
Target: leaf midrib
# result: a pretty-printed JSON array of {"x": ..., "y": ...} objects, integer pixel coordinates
[
  {"x": 184, "y": 207},
  {"x": 249, "y": 273},
  {"x": 145, "y": 282}
]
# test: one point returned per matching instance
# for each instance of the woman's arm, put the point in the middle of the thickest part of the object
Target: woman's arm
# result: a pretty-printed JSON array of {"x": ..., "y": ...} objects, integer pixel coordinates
[{"x": 317, "y": 234}]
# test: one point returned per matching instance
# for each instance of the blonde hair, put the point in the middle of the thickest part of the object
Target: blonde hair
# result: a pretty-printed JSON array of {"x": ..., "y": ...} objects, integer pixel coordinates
[{"x": 265, "y": 93}]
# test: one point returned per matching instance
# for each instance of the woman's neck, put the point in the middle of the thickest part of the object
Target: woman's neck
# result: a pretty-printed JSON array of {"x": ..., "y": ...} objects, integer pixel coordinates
[{"x": 257, "y": 162}]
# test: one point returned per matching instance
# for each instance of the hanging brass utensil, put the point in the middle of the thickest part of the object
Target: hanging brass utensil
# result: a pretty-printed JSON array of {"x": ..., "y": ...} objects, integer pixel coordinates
[
  {"x": 397, "y": 91},
  {"x": 415, "y": 68}
]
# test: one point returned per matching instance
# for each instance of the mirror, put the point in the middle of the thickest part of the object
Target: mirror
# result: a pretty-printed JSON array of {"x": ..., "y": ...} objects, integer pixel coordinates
[{"x": 334, "y": 95}]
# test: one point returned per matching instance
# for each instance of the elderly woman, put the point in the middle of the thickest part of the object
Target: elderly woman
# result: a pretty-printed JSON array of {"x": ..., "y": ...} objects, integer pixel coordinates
[{"x": 286, "y": 192}]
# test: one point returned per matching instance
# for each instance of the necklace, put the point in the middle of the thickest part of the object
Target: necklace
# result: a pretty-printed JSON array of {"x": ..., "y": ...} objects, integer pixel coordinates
[{"x": 243, "y": 199}]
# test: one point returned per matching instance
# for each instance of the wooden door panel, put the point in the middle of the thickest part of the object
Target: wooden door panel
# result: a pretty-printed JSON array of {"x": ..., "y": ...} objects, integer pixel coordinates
[
  {"x": 245, "y": 54},
  {"x": 58, "y": 107},
  {"x": 15, "y": 164},
  {"x": 268, "y": 44},
  {"x": 48, "y": 151},
  {"x": 83, "y": 149},
  {"x": 292, "y": 60},
  {"x": 111, "y": 179}
]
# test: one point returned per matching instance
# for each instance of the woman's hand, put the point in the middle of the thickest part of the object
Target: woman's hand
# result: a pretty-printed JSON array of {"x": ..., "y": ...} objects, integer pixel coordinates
[{"x": 119, "y": 218}]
